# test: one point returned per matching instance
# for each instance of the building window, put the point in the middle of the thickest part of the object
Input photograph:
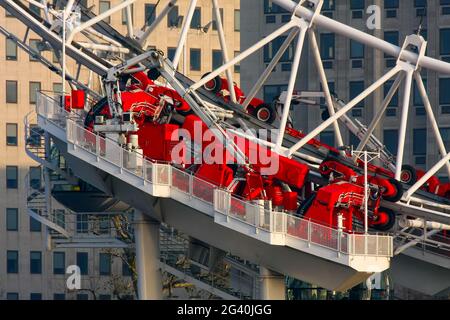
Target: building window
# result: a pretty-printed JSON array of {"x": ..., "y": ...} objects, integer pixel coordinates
[
  {"x": 420, "y": 142},
  {"x": 237, "y": 66},
  {"x": 353, "y": 140},
  {"x": 391, "y": 140},
  {"x": 421, "y": 7},
  {"x": 272, "y": 48},
  {"x": 82, "y": 262},
  {"x": 104, "y": 297},
  {"x": 12, "y": 296},
  {"x": 35, "y": 177},
  {"x": 12, "y": 261},
  {"x": 105, "y": 264},
  {"x": 237, "y": 20},
  {"x": 82, "y": 296},
  {"x": 124, "y": 14},
  {"x": 214, "y": 25},
  {"x": 356, "y": 54},
  {"x": 35, "y": 87},
  {"x": 150, "y": 14},
  {"x": 393, "y": 104},
  {"x": 59, "y": 217},
  {"x": 171, "y": 53},
  {"x": 12, "y": 219},
  {"x": 35, "y": 226},
  {"x": 270, "y": 8},
  {"x": 174, "y": 20},
  {"x": 196, "y": 22},
  {"x": 393, "y": 38},
  {"x": 35, "y": 296},
  {"x": 195, "y": 59},
  {"x": 57, "y": 87},
  {"x": 59, "y": 262},
  {"x": 11, "y": 134},
  {"x": 327, "y": 137},
  {"x": 445, "y": 7},
  {"x": 35, "y": 136},
  {"x": 59, "y": 296},
  {"x": 355, "y": 89},
  {"x": 11, "y": 177},
  {"x": 357, "y": 7},
  {"x": 34, "y": 47},
  {"x": 11, "y": 50},
  {"x": 11, "y": 91},
  {"x": 391, "y": 7},
  {"x": 327, "y": 49},
  {"x": 444, "y": 41},
  {"x": 103, "y": 7},
  {"x": 35, "y": 9},
  {"x": 82, "y": 223},
  {"x": 444, "y": 95},
  {"x": 217, "y": 59},
  {"x": 35, "y": 262},
  {"x": 271, "y": 92},
  {"x": 126, "y": 270}
]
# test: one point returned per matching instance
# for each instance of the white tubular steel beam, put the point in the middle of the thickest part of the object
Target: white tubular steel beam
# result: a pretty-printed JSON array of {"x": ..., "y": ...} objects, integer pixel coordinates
[
  {"x": 98, "y": 18},
  {"x": 322, "y": 21},
  {"x": 245, "y": 54},
  {"x": 438, "y": 166},
  {"x": 431, "y": 117},
  {"x": 403, "y": 124},
  {"x": 223, "y": 45},
  {"x": 104, "y": 47},
  {"x": 129, "y": 21},
  {"x": 324, "y": 82},
  {"x": 165, "y": 10},
  {"x": 265, "y": 75},
  {"x": 184, "y": 33},
  {"x": 343, "y": 111},
  {"x": 414, "y": 242},
  {"x": 381, "y": 112},
  {"x": 292, "y": 79},
  {"x": 69, "y": 7}
]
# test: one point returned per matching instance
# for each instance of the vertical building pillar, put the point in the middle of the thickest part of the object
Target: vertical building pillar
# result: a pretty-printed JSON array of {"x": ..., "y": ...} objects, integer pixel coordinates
[
  {"x": 147, "y": 257},
  {"x": 273, "y": 286}
]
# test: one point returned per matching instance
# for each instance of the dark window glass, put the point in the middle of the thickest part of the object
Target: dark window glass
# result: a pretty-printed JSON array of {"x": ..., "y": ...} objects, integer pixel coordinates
[
  {"x": 82, "y": 262},
  {"x": 12, "y": 261},
  {"x": 12, "y": 219},
  {"x": 59, "y": 262},
  {"x": 35, "y": 262}
]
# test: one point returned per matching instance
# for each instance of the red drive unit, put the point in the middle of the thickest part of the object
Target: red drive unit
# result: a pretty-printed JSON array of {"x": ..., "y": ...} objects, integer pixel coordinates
[
  {"x": 78, "y": 98},
  {"x": 155, "y": 140},
  {"x": 67, "y": 102}
]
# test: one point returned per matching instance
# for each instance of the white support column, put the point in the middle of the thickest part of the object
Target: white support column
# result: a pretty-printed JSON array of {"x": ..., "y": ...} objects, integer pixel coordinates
[
  {"x": 293, "y": 77},
  {"x": 343, "y": 111},
  {"x": 325, "y": 87},
  {"x": 403, "y": 123},
  {"x": 147, "y": 257},
  {"x": 273, "y": 286},
  {"x": 223, "y": 45},
  {"x": 129, "y": 21},
  {"x": 431, "y": 117},
  {"x": 265, "y": 75},
  {"x": 184, "y": 33},
  {"x": 381, "y": 112}
]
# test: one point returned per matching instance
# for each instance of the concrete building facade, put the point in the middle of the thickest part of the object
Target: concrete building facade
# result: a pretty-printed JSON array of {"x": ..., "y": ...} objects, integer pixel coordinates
[{"x": 27, "y": 269}]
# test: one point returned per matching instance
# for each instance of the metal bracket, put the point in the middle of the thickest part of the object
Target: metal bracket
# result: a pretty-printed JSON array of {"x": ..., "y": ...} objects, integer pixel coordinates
[
  {"x": 315, "y": 5},
  {"x": 412, "y": 41}
]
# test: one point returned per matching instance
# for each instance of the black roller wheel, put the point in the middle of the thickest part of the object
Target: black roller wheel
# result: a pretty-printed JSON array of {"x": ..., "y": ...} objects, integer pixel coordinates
[
  {"x": 265, "y": 113},
  {"x": 409, "y": 175},
  {"x": 153, "y": 74},
  {"x": 304, "y": 207},
  {"x": 214, "y": 85},
  {"x": 399, "y": 191},
  {"x": 389, "y": 224}
]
